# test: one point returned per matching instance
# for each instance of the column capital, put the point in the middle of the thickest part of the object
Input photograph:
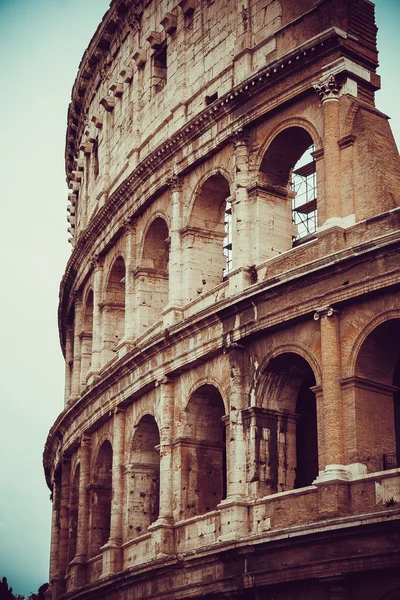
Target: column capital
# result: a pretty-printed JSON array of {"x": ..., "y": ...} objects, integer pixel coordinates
[
  {"x": 231, "y": 346},
  {"x": 327, "y": 88},
  {"x": 129, "y": 225},
  {"x": 240, "y": 137},
  {"x": 164, "y": 380},
  {"x": 96, "y": 262},
  {"x": 76, "y": 297},
  {"x": 175, "y": 183},
  {"x": 325, "y": 311},
  {"x": 85, "y": 440}
]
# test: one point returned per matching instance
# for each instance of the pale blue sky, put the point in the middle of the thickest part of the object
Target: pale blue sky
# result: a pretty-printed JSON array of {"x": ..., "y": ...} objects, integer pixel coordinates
[{"x": 41, "y": 44}]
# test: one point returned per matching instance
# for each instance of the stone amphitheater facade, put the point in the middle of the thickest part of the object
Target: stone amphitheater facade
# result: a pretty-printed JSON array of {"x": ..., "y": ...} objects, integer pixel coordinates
[{"x": 230, "y": 313}]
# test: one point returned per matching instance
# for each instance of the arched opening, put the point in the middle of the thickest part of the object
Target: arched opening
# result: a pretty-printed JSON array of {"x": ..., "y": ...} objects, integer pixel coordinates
[
  {"x": 376, "y": 398},
  {"x": 284, "y": 443},
  {"x": 100, "y": 499},
  {"x": 207, "y": 241},
  {"x": 304, "y": 202},
  {"x": 113, "y": 310},
  {"x": 277, "y": 204},
  {"x": 73, "y": 514},
  {"x": 87, "y": 335},
  {"x": 144, "y": 477},
  {"x": 151, "y": 278},
  {"x": 203, "y": 457}
]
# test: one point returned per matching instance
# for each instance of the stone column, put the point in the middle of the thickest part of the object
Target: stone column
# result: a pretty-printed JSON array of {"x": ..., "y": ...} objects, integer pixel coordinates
[
  {"x": 234, "y": 517},
  {"x": 241, "y": 216},
  {"x": 331, "y": 393},
  {"x": 64, "y": 522},
  {"x": 166, "y": 433},
  {"x": 328, "y": 91},
  {"x": 96, "y": 331},
  {"x": 130, "y": 252},
  {"x": 162, "y": 529},
  {"x": 78, "y": 567},
  {"x": 76, "y": 371},
  {"x": 112, "y": 552},
  {"x": 69, "y": 343},
  {"x": 54, "y": 540},
  {"x": 172, "y": 312}
]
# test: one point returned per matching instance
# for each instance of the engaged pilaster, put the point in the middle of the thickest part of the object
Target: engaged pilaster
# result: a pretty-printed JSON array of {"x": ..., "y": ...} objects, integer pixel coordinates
[
  {"x": 96, "y": 336},
  {"x": 130, "y": 251},
  {"x": 328, "y": 91},
  {"x": 241, "y": 216},
  {"x": 78, "y": 566},
  {"x": 76, "y": 370},
  {"x": 112, "y": 552},
  {"x": 62, "y": 558},
  {"x": 172, "y": 312},
  {"x": 234, "y": 517},
  {"x": 69, "y": 360},
  {"x": 331, "y": 394}
]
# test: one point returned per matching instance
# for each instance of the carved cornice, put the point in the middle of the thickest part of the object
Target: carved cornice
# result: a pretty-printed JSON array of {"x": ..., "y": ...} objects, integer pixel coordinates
[{"x": 240, "y": 94}]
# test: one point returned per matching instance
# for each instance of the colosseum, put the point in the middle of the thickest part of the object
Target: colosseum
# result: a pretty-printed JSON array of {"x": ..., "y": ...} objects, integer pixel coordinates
[{"x": 230, "y": 312}]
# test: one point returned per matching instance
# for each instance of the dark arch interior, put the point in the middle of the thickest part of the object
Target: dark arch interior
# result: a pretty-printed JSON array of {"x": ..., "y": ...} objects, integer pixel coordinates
[
  {"x": 101, "y": 495},
  {"x": 283, "y": 153},
  {"x": 156, "y": 250},
  {"x": 289, "y": 378},
  {"x": 144, "y": 484},
  {"x": 205, "y": 460}
]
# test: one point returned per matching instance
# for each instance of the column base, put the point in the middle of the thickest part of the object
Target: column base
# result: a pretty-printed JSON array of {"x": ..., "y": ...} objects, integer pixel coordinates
[
  {"x": 333, "y": 491},
  {"x": 239, "y": 279},
  {"x": 124, "y": 347},
  {"x": 77, "y": 573},
  {"x": 162, "y": 537},
  {"x": 172, "y": 314},
  {"x": 112, "y": 558},
  {"x": 332, "y": 473},
  {"x": 234, "y": 519},
  {"x": 342, "y": 222},
  {"x": 91, "y": 377}
]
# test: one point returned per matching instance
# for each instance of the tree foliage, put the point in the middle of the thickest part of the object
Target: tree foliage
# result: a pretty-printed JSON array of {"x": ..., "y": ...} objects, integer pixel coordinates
[{"x": 6, "y": 592}]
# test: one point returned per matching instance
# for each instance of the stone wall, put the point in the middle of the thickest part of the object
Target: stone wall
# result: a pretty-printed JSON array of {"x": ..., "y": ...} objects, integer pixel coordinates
[{"x": 231, "y": 421}]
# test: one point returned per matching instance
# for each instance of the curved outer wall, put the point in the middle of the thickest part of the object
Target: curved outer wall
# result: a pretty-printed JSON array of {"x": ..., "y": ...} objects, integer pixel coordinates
[{"x": 231, "y": 425}]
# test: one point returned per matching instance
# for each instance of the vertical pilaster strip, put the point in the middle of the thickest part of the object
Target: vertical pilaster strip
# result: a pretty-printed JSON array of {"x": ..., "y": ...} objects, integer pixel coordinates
[
  {"x": 64, "y": 517},
  {"x": 117, "y": 477},
  {"x": 241, "y": 243},
  {"x": 76, "y": 372},
  {"x": 328, "y": 91},
  {"x": 331, "y": 389},
  {"x": 130, "y": 247},
  {"x": 175, "y": 254},
  {"x": 166, "y": 471},
  {"x": 83, "y": 506},
  {"x": 69, "y": 343},
  {"x": 96, "y": 335},
  {"x": 236, "y": 444},
  {"x": 54, "y": 540}
]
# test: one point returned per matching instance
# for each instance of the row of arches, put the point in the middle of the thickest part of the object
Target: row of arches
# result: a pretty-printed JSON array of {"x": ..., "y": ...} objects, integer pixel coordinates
[
  {"x": 283, "y": 435},
  {"x": 205, "y": 253}
]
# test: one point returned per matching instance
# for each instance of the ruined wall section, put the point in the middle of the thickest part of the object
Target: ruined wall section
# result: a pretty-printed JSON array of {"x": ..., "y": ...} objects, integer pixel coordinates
[{"x": 151, "y": 69}]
